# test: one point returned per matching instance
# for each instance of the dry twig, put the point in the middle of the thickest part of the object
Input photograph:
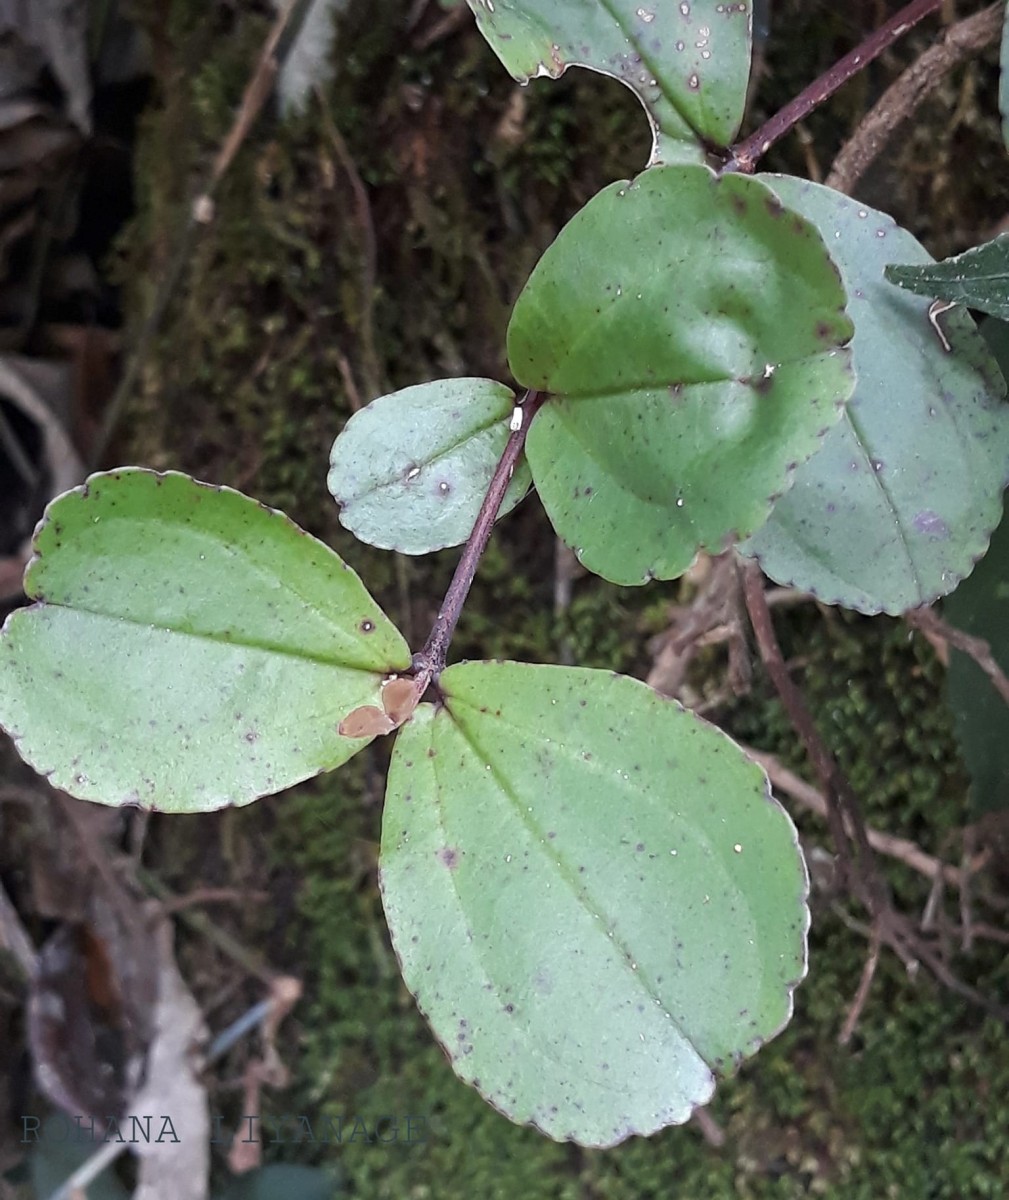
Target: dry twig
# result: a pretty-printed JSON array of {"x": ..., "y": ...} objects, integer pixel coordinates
[
  {"x": 908, "y": 92},
  {"x": 201, "y": 214},
  {"x": 929, "y": 622},
  {"x": 901, "y": 849},
  {"x": 859, "y": 870}
]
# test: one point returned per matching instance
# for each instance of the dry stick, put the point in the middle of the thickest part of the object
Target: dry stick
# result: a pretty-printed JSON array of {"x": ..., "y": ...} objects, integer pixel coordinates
[
  {"x": 901, "y": 849},
  {"x": 864, "y": 986},
  {"x": 908, "y": 92},
  {"x": 748, "y": 153},
  {"x": 843, "y": 804},
  {"x": 201, "y": 212},
  {"x": 799, "y": 715},
  {"x": 929, "y": 622},
  {"x": 844, "y": 811},
  {"x": 84, "y": 1175},
  {"x": 369, "y": 265},
  {"x": 200, "y": 923},
  {"x": 429, "y": 663}
]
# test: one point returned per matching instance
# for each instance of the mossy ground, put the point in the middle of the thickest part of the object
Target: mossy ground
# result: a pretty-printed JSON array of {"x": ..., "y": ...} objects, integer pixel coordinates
[{"x": 269, "y": 343}]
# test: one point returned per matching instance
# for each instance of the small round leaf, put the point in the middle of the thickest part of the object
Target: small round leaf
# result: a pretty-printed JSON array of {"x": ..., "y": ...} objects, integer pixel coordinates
[
  {"x": 188, "y": 648},
  {"x": 901, "y": 501},
  {"x": 691, "y": 330},
  {"x": 594, "y": 898},
  {"x": 410, "y": 471}
]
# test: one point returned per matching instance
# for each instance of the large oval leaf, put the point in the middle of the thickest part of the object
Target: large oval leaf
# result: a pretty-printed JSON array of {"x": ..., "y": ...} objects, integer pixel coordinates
[
  {"x": 594, "y": 898},
  {"x": 188, "y": 648},
  {"x": 411, "y": 469},
  {"x": 901, "y": 500},
  {"x": 689, "y": 328},
  {"x": 688, "y": 63}
]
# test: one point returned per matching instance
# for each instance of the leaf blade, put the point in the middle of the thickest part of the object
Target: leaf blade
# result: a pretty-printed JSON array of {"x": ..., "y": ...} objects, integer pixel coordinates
[
  {"x": 902, "y": 498},
  {"x": 690, "y": 330},
  {"x": 560, "y": 932},
  {"x": 980, "y": 607},
  {"x": 978, "y": 278},
  {"x": 688, "y": 64},
  {"x": 166, "y": 656},
  {"x": 410, "y": 470}
]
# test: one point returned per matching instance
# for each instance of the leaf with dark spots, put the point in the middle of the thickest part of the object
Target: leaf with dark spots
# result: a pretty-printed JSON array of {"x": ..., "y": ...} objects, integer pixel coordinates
[
  {"x": 267, "y": 623},
  {"x": 687, "y": 371},
  {"x": 687, "y": 62},
  {"x": 900, "y": 502},
  {"x": 410, "y": 470},
  {"x": 550, "y": 930}
]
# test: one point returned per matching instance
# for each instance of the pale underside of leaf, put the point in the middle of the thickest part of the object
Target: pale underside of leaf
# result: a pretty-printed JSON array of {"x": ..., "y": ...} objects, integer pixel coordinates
[
  {"x": 410, "y": 470},
  {"x": 590, "y": 936},
  {"x": 900, "y": 502}
]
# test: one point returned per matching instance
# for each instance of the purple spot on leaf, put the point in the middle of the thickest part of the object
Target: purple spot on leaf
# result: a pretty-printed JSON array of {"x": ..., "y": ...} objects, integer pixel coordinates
[{"x": 931, "y": 523}]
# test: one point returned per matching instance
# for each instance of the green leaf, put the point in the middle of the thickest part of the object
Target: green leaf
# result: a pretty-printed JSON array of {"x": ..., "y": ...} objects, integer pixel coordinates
[
  {"x": 285, "y": 1181},
  {"x": 411, "y": 469},
  {"x": 689, "y": 328},
  {"x": 188, "y": 648},
  {"x": 687, "y": 63},
  {"x": 902, "y": 498},
  {"x": 594, "y": 899},
  {"x": 62, "y": 1148},
  {"x": 978, "y": 278},
  {"x": 980, "y": 607}
]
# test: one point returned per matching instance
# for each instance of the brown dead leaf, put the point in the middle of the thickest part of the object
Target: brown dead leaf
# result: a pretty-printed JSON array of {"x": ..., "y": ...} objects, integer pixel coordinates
[{"x": 175, "y": 1166}]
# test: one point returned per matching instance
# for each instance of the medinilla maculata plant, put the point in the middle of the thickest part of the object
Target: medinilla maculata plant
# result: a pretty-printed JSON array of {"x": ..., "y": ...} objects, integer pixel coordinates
[{"x": 594, "y": 897}]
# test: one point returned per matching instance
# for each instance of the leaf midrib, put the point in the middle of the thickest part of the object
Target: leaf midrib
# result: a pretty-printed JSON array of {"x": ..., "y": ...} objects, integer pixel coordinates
[{"x": 568, "y": 877}]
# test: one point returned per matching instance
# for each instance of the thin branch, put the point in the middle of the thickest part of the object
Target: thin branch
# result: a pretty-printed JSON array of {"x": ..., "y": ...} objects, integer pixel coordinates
[
  {"x": 799, "y": 715},
  {"x": 429, "y": 663},
  {"x": 929, "y": 622},
  {"x": 909, "y": 91},
  {"x": 864, "y": 984},
  {"x": 748, "y": 153},
  {"x": 901, "y": 849},
  {"x": 844, "y": 815},
  {"x": 213, "y": 895},
  {"x": 369, "y": 251},
  {"x": 250, "y": 961},
  {"x": 201, "y": 213}
]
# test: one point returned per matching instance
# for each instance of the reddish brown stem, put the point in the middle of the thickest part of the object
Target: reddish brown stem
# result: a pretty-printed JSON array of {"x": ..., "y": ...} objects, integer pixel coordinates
[
  {"x": 843, "y": 810},
  {"x": 745, "y": 156},
  {"x": 429, "y": 663}
]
